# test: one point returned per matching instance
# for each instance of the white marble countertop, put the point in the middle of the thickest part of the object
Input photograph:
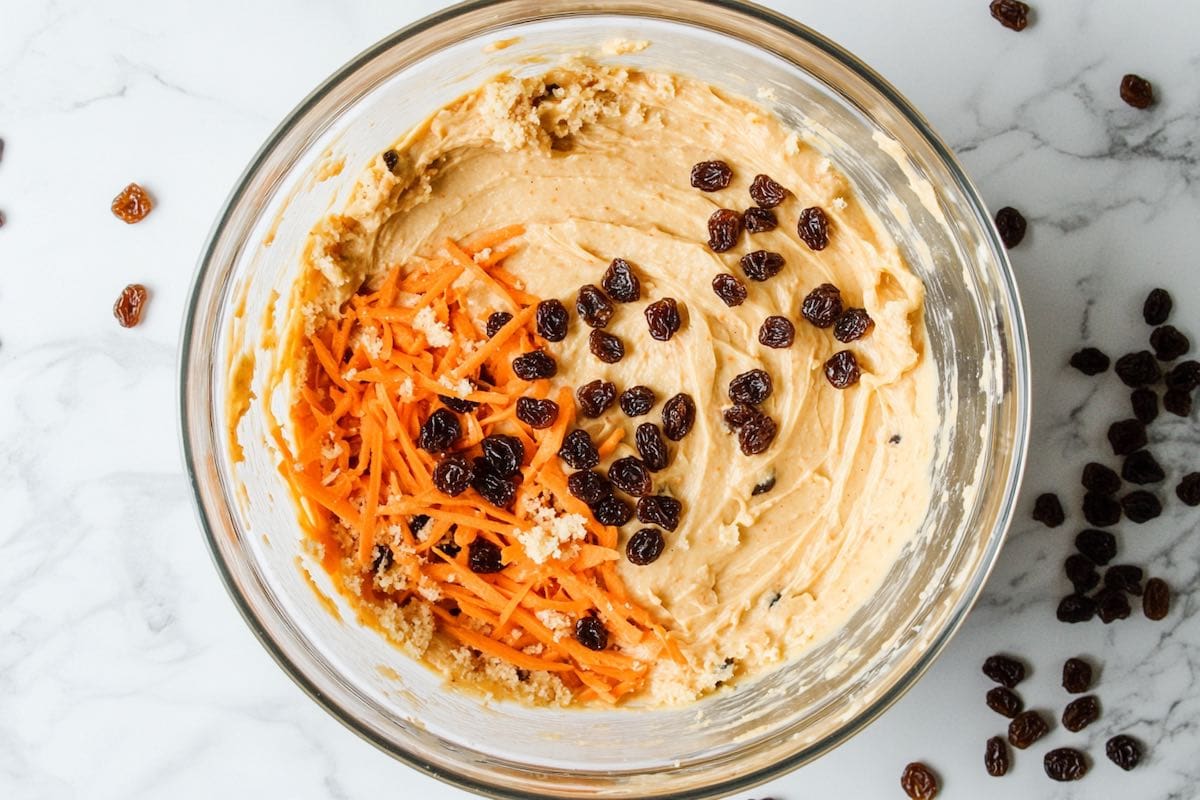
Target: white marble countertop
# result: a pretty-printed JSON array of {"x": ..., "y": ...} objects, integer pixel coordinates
[{"x": 125, "y": 670}]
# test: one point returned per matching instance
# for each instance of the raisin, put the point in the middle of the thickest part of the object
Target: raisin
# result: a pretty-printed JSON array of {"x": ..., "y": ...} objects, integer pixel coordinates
[
  {"x": 761, "y": 265},
  {"x": 390, "y": 159},
  {"x": 841, "y": 370},
  {"x": 1012, "y": 14},
  {"x": 1011, "y": 226},
  {"x": 1004, "y": 670},
  {"x": 1081, "y": 572},
  {"x": 1137, "y": 369},
  {"x": 620, "y": 282},
  {"x": 1004, "y": 701},
  {"x": 578, "y": 450},
  {"x": 1065, "y": 764},
  {"x": 417, "y": 523},
  {"x": 1090, "y": 361},
  {"x": 537, "y": 414},
  {"x": 662, "y": 317},
  {"x": 1184, "y": 376},
  {"x": 1140, "y": 506},
  {"x": 132, "y": 204},
  {"x": 919, "y": 782},
  {"x": 710, "y": 176},
  {"x": 813, "y": 228},
  {"x": 1112, "y": 605},
  {"x": 1124, "y": 751},
  {"x": 777, "y": 332},
  {"x": 439, "y": 432},
  {"x": 763, "y": 486},
  {"x": 381, "y": 558},
  {"x": 1188, "y": 490},
  {"x": 1141, "y": 467},
  {"x": 630, "y": 475},
  {"x": 503, "y": 453},
  {"x": 645, "y": 546},
  {"x": 594, "y": 308},
  {"x": 1076, "y": 608},
  {"x": 1080, "y": 713},
  {"x": 1026, "y": 728},
  {"x": 1177, "y": 403},
  {"x": 1169, "y": 343},
  {"x": 1101, "y": 510},
  {"x": 679, "y": 414},
  {"x": 1125, "y": 578},
  {"x": 588, "y": 486},
  {"x": 130, "y": 305},
  {"x": 765, "y": 192},
  {"x": 1157, "y": 307},
  {"x": 606, "y": 347},
  {"x": 497, "y": 321},
  {"x": 590, "y": 633},
  {"x": 854, "y": 323},
  {"x": 739, "y": 414},
  {"x": 636, "y": 401},
  {"x": 1144, "y": 403},
  {"x": 449, "y": 547},
  {"x": 757, "y": 434},
  {"x": 483, "y": 556},
  {"x": 1137, "y": 91},
  {"x": 759, "y": 220},
  {"x": 1099, "y": 478},
  {"x": 1126, "y": 436},
  {"x": 498, "y": 489},
  {"x": 535, "y": 365},
  {"x": 996, "y": 758},
  {"x": 651, "y": 447},
  {"x": 1156, "y": 601},
  {"x": 453, "y": 475},
  {"x": 751, "y": 387},
  {"x": 1077, "y": 675},
  {"x": 596, "y": 397},
  {"x": 611, "y": 510},
  {"x": 822, "y": 306},
  {"x": 1099, "y": 546},
  {"x": 660, "y": 510},
  {"x": 724, "y": 229},
  {"x": 1048, "y": 510},
  {"x": 552, "y": 320},
  {"x": 731, "y": 290}
]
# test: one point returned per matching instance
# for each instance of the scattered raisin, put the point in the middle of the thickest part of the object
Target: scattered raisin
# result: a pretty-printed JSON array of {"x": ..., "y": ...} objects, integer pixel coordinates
[
  {"x": 1126, "y": 436},
  {"x": 1090, "y": 361},
  {"x": 995, "y": 757},
  {"x": 1177, "y": 403},
  {"x": 756, "y": 434},
  {"x": 1048, "y": 510},
  {"x": 660, "y": 510},
  {"x": 679, "y": 414},
  {"x": 381, "y": 558},
  {"x": 1011, "y": 226},
  {"x": 588, "y": 486},
  {"x": 620, "y": 282},
  {"x": 1141, "y": 506},
  {"x": 637, "y": 401},
  {"x": 1101, "y": 510},
  {"x": 777, "y": 332},
  {"x": 662, "y": 317},
  {"x": 612, "y": 510},
  {"x": 417, "y": 523},
  {"x": 1112, "y": 605},
  {"x": 453, "y": 475},
  {"x": 390, "y": 159},
  {"x": 1124, "y": 751},
  {"x": 739, "y": 414},
  {"x": 1099, "y": 478},
  {"x": 1004, "y": 701},
  {"x": 1188, "y": 490},
  {"x": 724, "y": 229},
  {"x": 731, "y": 290},
  {"x": 606, "y": 347},
  {"x": 130, "y": 304},
  {"x": 1142, "y": 467},
  {"x": 1144, "y": 403},
  {"x": 759, "y": 220},
  {"x": 761, "y": 265},
  {"x": 534, "y": 365},
  {"x": 552, "y": 320},
  {"x": 1157, "y": 307},
  {"x": 593, "y": 306},
  {"x": 498, "y": 489},
  {"x": 1081, "y": 572},
  {"x": 439, "y": 432},
  {"x": 1077, "y": 675},
  {"x": 651, "y": 447},
  {"x": 823, "y": 305},
  {"x": 1137, "y": 91},
  {"x": 630, "y": 475},
  {"x": 1099, "y": 546},
  {"x": 767, "y": 193},
  {"x": 854, "y": 323},
  {"x": 1012, "y": 14},
  {"x": 1076, "y": 608},
  {"x": 1004, "y": 670},
  {"x": 1026, "y": 728},
  {"x": 483, "y": 556},
  {"x": 578, "y": 450},
  {"x": 1065, "y": 764},
  {"x": 751, "y": 387},
  {"x": 497, "y": 321},
  {"x": 1156, "y": 601},
  {"x": 841, "y": 370},
  {"x": 503, "y": 453},
  {"x": 537, "y": 414},
  {"x": 1125, "y": 578},
  {"x": 1137, "y": 369},
  {"x": 132, "y": 204},
  {"x": 709, "y": 176},
  {"x": 1080, "y": 713},
  {"x": 590, "y": 633},
  {"x": 813, "y": 228},
  {"x": 645, "y": 546},
  {"x": 919, "y": 782},
  {"x": 763, "y": 486},
  {"x": 1184, "y": 376},
  {"x": 1169, "y": 343}
]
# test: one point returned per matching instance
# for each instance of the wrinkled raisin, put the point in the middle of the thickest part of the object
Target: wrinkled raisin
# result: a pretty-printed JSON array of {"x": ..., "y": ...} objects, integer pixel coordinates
[
  {"x": 1188, "y": 490},
  {"x": 1126, "y": 436},
  {"x": 854, "y": 323},
  {"x": 1137, "y": 369},
  {"x": 731, "y": 290},
  {"x": 759, "y": 220},
  {"x": 439, "y": 432},
  {"x": 588, "y": 486},
  {"x": 1090, "y": 361},
  {"x": 679, "y": 414},
  {"x": 498, "y": 489},
  {"x": 390, "y": 159},
  {"x": 129, "y": 305},
  {"x": 1081, "y": 572},
  {"x": 503, "y": 453},
  {"x": 739, "y": 414},
  {"x": 1004, "y": 670},
  {"x": 822, "y": 306},
  {"x": 841, "y": 370},
  {"x": 1184, "y": 376},
  {"x": 1177, "y": 403},
  {"x": 1101, "y": 510},
  {"x": 1142, "y": 467},
  {"x": 458, "y": 404},
  {"x": 996, "y": 758},
  {"x": 761, "y": 265},
  {"x": 497, "y": 321},
  {"x": 662, "y": 317},
  {"x": 1012, "y": 14},
  {"x": 1026, "y": 728},
  {"x": 535, "y": 413},
  {"x": 1080, "y": 713},
  {"x": 620, "y": 282},
  {"x": 590, "y": 633},
  {"x": 1004, "y": 701},
  {"x": 752, "y": 387},
  {"x": 767, "y": 193},
  {"x": 132, "y": 204},
  {"x": 1144, "y": 403},
  {"x": 763, "y": 486},
  {"x": 1065, "y": 764},
  {"x": 606, "y": 347},
  {"x": 1099, "y": 546},
  {"x": 1157, "y": 307},
  {"x": 1076, "y": 608},
  {"x": 1141, "y": 506},
  {"x": 645, "y": 546},
  {"x": 593, "y": 306},
  {"x": 630, "y": 475},
  {"x": 1011, "y": 226},
  {"x": 453, "y": 475},
  {"x": 381, "y": 558},
  {"x": 1169, "y": 343},
  {"x": 1156, "y": 601},
  {"x": 417, "y": 523},
  {"x": 637, "y": 401},
  {"x": 1048, "y": 510},
  {"x": 813, "y": 228},
  {"x": 651, "y": 447},
  {"x": 710, "y": 176},
  {"x": 611, "y": 510},
  {"x": 552, "y": 320},
  {"x": 1137, "y": 91},
  {"x": 535, "y": 365},
  {"x": 1112, "y": 605},
  {"x": 660, "y": 510},
  {"x": 1124, "y": 751},
  {"x": 724, "y": 229},
  {"x": 756, "y": 435},
  {"x": 1099, "y": 478},
  {"x": 777, "y": 332},
  {"x": 919, "y": 782},
  {"x": 483, "y": 557},
  {"x": 1077, "y": 675},
  {"x": 1124, "y": 577},
  {"x": 578, "y": 450}
]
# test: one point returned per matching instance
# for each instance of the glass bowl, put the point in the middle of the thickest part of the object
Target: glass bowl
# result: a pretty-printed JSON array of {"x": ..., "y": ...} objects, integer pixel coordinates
[{"x": 740, "y": 736}]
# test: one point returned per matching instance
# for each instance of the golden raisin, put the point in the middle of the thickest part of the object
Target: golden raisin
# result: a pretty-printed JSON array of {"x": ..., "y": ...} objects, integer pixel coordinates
[{"x": 132, "y": 204}]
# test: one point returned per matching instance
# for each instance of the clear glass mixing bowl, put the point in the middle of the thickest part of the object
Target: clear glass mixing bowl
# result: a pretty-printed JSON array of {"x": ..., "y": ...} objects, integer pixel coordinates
[{"x": 736, "y": 738}]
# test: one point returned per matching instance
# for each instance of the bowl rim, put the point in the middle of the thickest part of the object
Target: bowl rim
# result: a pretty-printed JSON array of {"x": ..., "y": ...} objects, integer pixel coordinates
[{"x": 565, "y": 9}]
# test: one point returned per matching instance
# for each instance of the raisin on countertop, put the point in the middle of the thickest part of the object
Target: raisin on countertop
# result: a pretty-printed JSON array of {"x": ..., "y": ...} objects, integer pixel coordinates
[
  {"x": 1144, "y": 403},
  {"x": 1097, "y": 477},
  {"x": 1112, "y": 605},
  {"x": 813, "y": 228},
  {"x": 1048, "y": 510},
  {"x": 919, "y": 782},
  {"x": 1137, "y": 91},
  {"x": 1081, "y": 572},
  {"x": 1177, "y": 403},
  {"x": 1126, "y": 436},
  {"x": 1076, "y": 676},
  {"x": 1188, "y": 490},
  {"x": 1184, "y": 376},
  {"x": 1124, "y": 751},
  {"x": 1004, "y": 670},
  {"x": 1157, "y": 307},
  {"x": 620, "y": 282},
  {"x": 1169, "y": 343},
  {"x": 1081, "y": 712},
  {"x": 1065, "y": 764},
  {"x": 1138, "y": 369},
  {"x": 711, "y": 176},
  {"x": 1012, "y": 14},
  {"x": 1076, "y": 608},
  {"x": 132, "y": 204},
  {"x": 1011, "y": 226},
  {"x": 1099, "y": 546},
  {"x": 1101, "y": 510},
  {"x": 996, "y": 757},
  {"x": 1090, "y": 361},
  {"x": 1141, "y": 467},
  {"x": 1004, "y": 701},
  {"x": 1125, "y": 577},
  {"x": 129, "y": 305},
  {"x": 1156, "y": 600},
  {"x": 1026, "y": 728},
  {"x": 1141, "y": 506}
]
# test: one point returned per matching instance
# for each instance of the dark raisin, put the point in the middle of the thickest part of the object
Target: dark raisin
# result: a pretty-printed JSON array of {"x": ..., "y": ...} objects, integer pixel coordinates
[
  {"x": 448, "y": 546},
  {"x": 1065, "y": 764},
  {"x": 381, "y": 558},
  {"x": 535, "y": 365},
  {"x": 552, "y": 320},
  {"x": 1090, "y": 361},
  {"x": 765, "y": 192},
  {"x": 390, "y": 159},
  {"x": 645, "y": 546},
  {"x": 439, "y": 432},
  {"x": 453, "y": 475},
  {"x": 1099, "y": 478},
  {"x": 606, "y": 347},
  {"x": 483, "y": 556},
  {"x": 1077, "y": 675},
  {"x": 651, "y": 447},
  {"x": 1081, "y": 572},
  {"x": 841, "y": 370},
  {"x": 1144, "y": 403},
  {"x": 756, "y": 435},
  {"x": 132, "y": 204},
  {"x": 497, "y": 321},
  {"x": 1099, "y": 546},
  {"x": 1141, "y": 506},
  {"x": 813, "y": 227},
  {"x": 1004, "y": 701},
  {"x": 739, "y": 414},
  {"x": 458, "y": 404},
  {"x": 612, "y": 510},
  {"x": 777, "y": 332},
  {"x": 1004, "y": 670},
  {"x": 417, "y": 523},
  {"x": 660, "y": 510},
  {"x": 751, "y": 387},
  {"x": 761, "y": 265},
  {"x": 1124, "y": 751},
  {"x": 1112, "y": 605},
  {"x": 578, "y": 450},
  {"x": 854, "y": 323},
  {"x": 1076, "y": 608},
  {"x": 759, "y": 220},
  {"x": 709, "y": 176},
  {"x": 498, "y": 489},
  {"x": 1012, "y": 14},
  {"x": 637, "y": 401},
  {"x": 620, "y": 282},
  {"x": 593, "y": 306},
  {"x": 1177, "y": 403},
  {"x": 1101, "y": 510},
  {"x": 1184, "y": 376},
  {"x": 1048, "y": 510},
  {"x": 1080, "y": 713},
  {"x": 1137, "y": 369},
  {"x": 1137, "y": 91},
  {"x": 763, "y": 486},
  {"x": 662, "y": 317},
  {"x": 724, "y": 229},
  {"x": 995, "y": 757},
  {"x": 1126, "y": 436},
  {"x": 590, "y": 633},
  {"x": 503, "y": 453},
  {"x": 589, "y": 486},
  {"x": 1142, "y": 467},
  {"x": 596, "y": 397},
  {"x": 1169, "y": 343},
  {"x": 1188, "y": 490},
  {"x": 129, "y": 305},
  {"x": 822, "y": 306},
  {"x": 630, "y": 475},
  {"x": 535, "y": 413},
  {"x": 1157, "y": 307},
  {"x": 1011, "y": 226},
  {"x": 731, "y": 290},
  {"x": 1156, "y": 601},
  {"x": 1026, "y": 728},
  {"x": 1124, "y": 577},
  {"x": 679, "y": 414},
  {"x": 919, "y": 782}
]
